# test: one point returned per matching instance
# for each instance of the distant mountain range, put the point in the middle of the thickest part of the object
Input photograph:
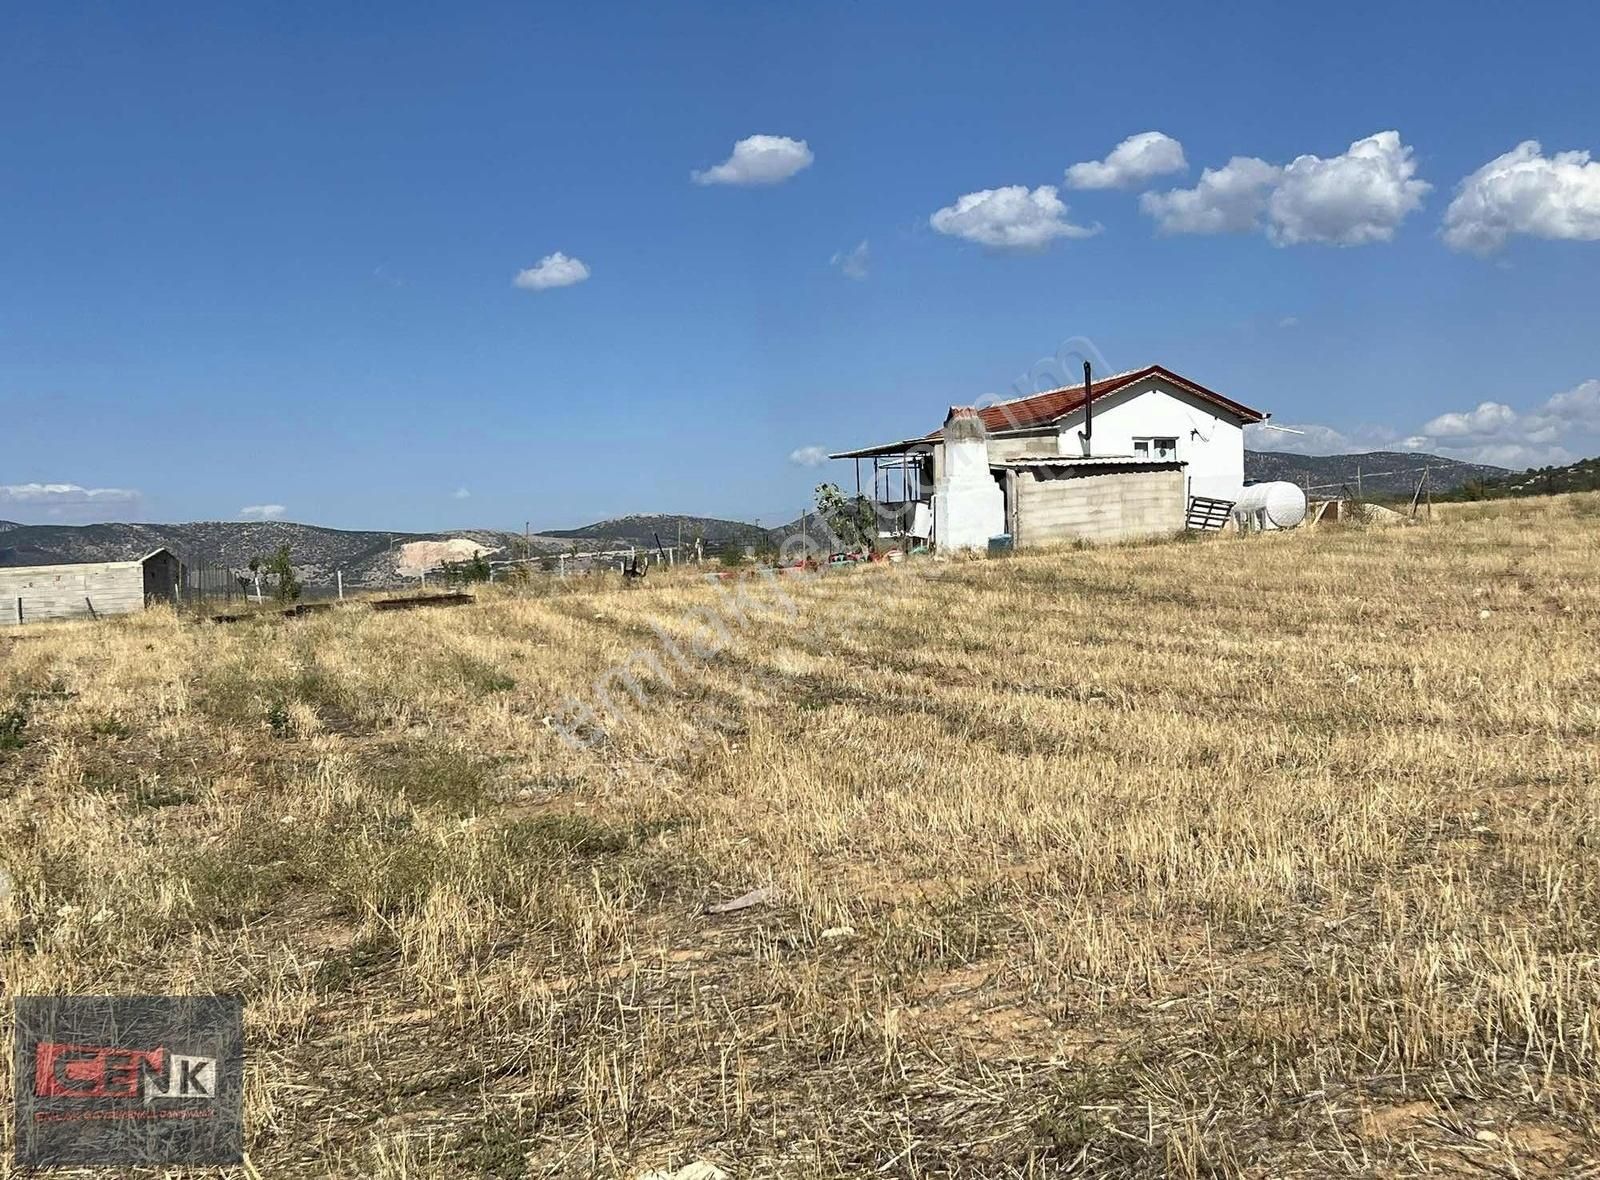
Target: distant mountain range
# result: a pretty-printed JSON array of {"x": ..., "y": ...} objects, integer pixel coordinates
[
  {"x": 1378, "y": 473},
  {"x": 369, "y": 559}
]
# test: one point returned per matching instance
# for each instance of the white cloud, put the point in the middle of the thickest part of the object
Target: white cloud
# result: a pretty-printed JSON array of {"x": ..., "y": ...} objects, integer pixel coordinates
[
  {"x": 808, "y": 456},
  {"x": 759, "y": 159},
  {"x": 64, "y": 495},
  {"x": 853, "y": 263},
  {"x": 263, "y": 511},
  {"x": 461, "y": 494},
  {"x": 1228, "y": 200},
  {"x": 1562, "y": 428},
  {"x": 553, "y": 270},
  {"x": 1134, "y": 161},
  {"x": 1489, "y": 418},
  {"x": 1289, "y": 321},
  {"x": 1525, "y": 192},
  {"x": 1353, "y": 199},
  {"x": 1011, "y": 218},
  {"x": 1312, "y": 438}
]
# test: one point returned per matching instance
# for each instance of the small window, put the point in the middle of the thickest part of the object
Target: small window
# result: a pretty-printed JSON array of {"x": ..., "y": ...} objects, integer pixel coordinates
[{"x": 1155, "y": 448}]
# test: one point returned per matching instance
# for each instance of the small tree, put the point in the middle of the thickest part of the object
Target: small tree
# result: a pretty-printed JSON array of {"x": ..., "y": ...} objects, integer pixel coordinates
[
  {"x": 849, "y": 518},
  {"x": 281, "y": 568},
  {"x": 474, "y": 570}
]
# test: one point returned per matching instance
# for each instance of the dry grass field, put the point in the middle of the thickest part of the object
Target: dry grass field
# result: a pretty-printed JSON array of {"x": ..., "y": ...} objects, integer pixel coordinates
[{"x": 1266, "y": 856}]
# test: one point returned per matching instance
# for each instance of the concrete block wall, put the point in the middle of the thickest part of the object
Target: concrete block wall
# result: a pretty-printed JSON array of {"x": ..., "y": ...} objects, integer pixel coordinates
[
  {"x": 65, "y": 591},
  {"x": 1113, "y": 506}
]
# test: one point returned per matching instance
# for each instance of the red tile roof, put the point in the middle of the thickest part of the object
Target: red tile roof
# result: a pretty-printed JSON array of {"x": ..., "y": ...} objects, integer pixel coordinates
[{"x": 1044, "y": 408}]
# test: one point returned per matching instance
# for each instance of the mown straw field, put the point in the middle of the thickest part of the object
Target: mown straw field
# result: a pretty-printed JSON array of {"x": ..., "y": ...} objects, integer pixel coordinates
[{"x": 1264, "y": 856}]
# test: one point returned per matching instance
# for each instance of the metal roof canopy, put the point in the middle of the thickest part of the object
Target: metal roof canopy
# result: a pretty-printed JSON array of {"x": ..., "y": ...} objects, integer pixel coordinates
[
  {"x": 1023, "y": 461},
  {"x": 904, "y": 447}
]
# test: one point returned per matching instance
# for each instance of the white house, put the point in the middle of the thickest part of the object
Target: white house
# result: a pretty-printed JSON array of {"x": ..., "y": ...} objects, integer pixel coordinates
[{"x": 1144, "y": 420}]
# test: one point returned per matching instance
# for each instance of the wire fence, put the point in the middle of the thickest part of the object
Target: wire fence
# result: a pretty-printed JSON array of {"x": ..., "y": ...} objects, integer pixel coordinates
[{"x": 1355, "y": 482}]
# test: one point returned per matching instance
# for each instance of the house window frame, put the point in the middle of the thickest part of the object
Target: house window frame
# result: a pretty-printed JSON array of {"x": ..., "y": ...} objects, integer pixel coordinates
[{"x": 1151, "y": 447}]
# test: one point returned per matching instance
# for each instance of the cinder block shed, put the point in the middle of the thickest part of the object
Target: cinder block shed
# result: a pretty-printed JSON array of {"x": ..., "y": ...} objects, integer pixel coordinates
[
  {"x": 89, "y": 589},
  {"x": 1057, "y": 498}
]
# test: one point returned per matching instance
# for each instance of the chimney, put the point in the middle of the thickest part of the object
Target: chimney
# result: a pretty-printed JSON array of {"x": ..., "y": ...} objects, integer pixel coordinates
[
  {"x": 969, "y": 507},
  {"x": 1087, "y": 433}
]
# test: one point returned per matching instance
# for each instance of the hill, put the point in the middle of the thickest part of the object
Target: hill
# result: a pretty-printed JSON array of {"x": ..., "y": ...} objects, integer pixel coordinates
[
  {"x": 1381, "y": 473},
  {"x": 642, "y": 530},
  {"x": 367, "y": 558},
  {"x": 1581, "y": 476}
]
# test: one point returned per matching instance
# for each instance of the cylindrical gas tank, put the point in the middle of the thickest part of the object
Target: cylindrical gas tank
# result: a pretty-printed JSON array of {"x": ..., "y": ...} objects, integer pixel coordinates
[{"x": 1277, "y": 505}]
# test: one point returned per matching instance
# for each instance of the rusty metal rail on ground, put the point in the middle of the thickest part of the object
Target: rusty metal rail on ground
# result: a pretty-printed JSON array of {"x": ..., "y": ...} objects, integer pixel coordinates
[{"x": 312, "y": 608}]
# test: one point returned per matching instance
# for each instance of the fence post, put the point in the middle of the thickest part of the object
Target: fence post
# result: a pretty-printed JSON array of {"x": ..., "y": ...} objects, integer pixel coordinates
[
  {"x": 339, "y": 574},
  {"x": 19, "y": 610}
]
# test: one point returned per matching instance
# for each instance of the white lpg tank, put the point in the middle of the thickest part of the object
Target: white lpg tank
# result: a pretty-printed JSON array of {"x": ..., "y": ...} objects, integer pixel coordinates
[{"x": 1278, "y": 505}]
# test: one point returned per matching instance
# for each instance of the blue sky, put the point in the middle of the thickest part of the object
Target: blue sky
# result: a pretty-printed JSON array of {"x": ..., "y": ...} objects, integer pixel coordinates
[{"x": 268, "y": 257}]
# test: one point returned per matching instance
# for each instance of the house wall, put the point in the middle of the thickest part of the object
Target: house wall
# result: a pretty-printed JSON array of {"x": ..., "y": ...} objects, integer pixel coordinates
[
  {"x": 60, "y": 591},
  {"x": 1210, "y": 440},
  {"x": 1055, "y": 506}
]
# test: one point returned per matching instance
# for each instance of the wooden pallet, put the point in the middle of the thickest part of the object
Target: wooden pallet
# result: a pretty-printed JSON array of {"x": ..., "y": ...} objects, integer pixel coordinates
[{"x": 1207, "y": 515}]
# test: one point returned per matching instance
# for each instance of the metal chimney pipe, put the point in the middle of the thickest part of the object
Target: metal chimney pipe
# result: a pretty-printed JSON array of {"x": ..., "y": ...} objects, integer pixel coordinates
[{"x": 1087, "y": 433}]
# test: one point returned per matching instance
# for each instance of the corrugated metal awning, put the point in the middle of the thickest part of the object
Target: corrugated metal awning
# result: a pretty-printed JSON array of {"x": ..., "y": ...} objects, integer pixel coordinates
[
  {"x": 904, "y": 447},
  {"x": 1119, "y": 461}
]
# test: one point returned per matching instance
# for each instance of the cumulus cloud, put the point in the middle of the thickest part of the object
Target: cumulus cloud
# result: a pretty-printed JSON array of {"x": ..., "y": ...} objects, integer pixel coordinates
[
  {"x": 461, "y": 494},
  {"x": 64, "y": 495},
  {"x": 759, "y": 159},
  {"x": 1134, "y": 161},
  {"x": 1352, "y": 199},
  {"x": 64, "y": 501},
  {"x": 1228, "y": 200},
  {"x": 263, "y": 511},
  {"x": 1563, "y": 427},
  {"x": 808, "y": 456},
  {"x": 553, "y": 270},
  {"x": 853, "y": 263},
  {"x": 1011, "y": 218},
  {"x": 1526, "y": 192}
]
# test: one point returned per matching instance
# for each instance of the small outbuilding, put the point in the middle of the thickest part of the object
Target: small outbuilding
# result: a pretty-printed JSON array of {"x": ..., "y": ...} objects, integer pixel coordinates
[
  {"x": 89, "y": 589},
  {"x": 1077, "y": 498}
]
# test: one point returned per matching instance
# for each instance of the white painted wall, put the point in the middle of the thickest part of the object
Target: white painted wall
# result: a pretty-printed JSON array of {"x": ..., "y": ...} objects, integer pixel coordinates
[
  {"x": 968, "y": 506},
  {"x": 1210, "y": 440}
]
